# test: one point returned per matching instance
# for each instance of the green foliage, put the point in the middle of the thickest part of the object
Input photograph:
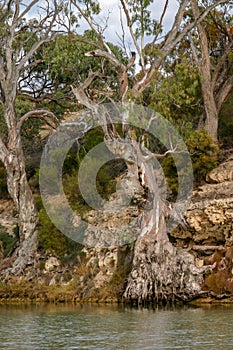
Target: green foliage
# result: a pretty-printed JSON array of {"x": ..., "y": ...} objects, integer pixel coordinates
[
  {"x": 203, "y": 152},
  {"x": 92, "y": 139},
  {"x": 105, "y": 181},
  {"x": 51, "y": 240},
  {"x": 8, "y": 242},
  {"x": 177, "y": 96},
  {"x": 64, "y": 64},
  {"x": 141, "y": 17}
]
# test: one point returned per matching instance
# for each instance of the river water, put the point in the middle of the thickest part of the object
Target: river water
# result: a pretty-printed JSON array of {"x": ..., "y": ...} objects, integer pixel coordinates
[{"x": 115, "y": 327}]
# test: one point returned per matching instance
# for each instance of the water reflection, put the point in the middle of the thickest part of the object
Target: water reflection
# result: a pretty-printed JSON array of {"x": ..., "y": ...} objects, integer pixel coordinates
[{"x": 115, "y": 327}]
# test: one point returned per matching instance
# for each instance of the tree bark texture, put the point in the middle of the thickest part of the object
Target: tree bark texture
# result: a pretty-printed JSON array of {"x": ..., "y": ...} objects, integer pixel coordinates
[
  {"x": 22, "y": 197},
  {"x": 159, "y": 271},
  {"x": 216, "y": 80}
]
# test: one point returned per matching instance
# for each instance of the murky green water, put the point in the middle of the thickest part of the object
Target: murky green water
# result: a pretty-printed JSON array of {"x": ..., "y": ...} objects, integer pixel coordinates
[{"x": 112, "y": 327}]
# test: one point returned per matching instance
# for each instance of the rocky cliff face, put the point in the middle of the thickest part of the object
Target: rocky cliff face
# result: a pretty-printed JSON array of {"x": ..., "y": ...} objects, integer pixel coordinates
[
  {"x": 210, "y": 215},
  {"x": 209, "y": 235}
]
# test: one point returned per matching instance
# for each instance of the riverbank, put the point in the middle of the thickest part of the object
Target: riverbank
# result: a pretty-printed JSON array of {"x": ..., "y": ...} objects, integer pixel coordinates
[
  {"x": 98, "y": 275},
  {"x": 28, "y": 292},
  {"x": 31, "y": 293}
]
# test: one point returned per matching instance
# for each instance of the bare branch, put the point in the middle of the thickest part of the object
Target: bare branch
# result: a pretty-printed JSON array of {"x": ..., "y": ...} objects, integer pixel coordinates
[
  {"x": 194, "y": 51},
  {"x": 46, "y": 37},
  {"x": 122, "y": 38},
  {"x": 27, "y": 9},
  {"x": 205, "y": 63},
  {"x": 129, "y": 24},
  {"x": 160, "y": 22},
  {"x": 122, "y": 75},
  {"x": 92, "y": 26},
  {"x": 173, "y": 149},
  {"x": 47, "y": 116},
  {"x": 173, "y": 38},
  {"x": 131, "y": 61},
  {"x": 80, "y": 93},
  {"x": 104, "y": 54}
]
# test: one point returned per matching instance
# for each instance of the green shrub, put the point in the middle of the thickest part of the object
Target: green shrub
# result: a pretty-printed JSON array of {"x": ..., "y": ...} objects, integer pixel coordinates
[
  {"x": 51, "y": 240},
  {"x": 203, "y": 152},
  {"x": 8, "y": 242}
]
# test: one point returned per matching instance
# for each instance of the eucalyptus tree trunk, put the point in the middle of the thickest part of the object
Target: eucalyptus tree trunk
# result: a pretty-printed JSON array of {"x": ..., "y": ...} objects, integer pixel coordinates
[
  {"x": 216, "y": 79},
  {"x": 160, "y": 272},
  {"x": 211, "y": 111},
  {"x": 21, "y": 39},
  {"x": 21, "y": 195}
]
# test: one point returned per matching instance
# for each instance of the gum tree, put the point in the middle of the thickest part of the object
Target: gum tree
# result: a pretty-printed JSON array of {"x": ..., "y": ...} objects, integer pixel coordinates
[
  {"x": 159, "y": 271},
  {"x": 212, "y": 45},
  {"x": 20, "y": 39}
]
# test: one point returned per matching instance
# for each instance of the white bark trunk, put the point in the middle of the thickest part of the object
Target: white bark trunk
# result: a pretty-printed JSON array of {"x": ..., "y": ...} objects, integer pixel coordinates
[
  {"x": 160, "y": 271},
  {"x": 212, "y": 114},
  {"x": 21, "y": 194}
]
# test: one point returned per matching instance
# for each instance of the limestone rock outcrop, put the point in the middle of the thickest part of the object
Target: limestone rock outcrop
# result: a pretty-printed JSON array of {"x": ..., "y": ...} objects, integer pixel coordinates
[{"x": 210, "y": 214}]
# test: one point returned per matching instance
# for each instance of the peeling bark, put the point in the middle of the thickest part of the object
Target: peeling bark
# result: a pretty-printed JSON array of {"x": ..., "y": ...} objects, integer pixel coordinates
[
  {"x": 14, "y": 60},
  {"x": 22, "y": 197},
  {"x": 160, "y": 271}
]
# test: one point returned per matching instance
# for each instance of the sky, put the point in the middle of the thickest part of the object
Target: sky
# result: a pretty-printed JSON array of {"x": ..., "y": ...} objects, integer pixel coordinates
[{"x": 114, "y": 26}]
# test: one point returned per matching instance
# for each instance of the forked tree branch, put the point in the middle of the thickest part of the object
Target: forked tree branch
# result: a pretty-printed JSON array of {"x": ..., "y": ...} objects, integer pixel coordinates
[
  {"x": 80, "y": 91},
  {"x": 109, "y": 56},
  {"x": 47, "y": 35},
  {"x": 48, "y": 117},
  {"x": 130, "y": 26},
  {"x": 92, "y": 26},
  {"x": 173, "y": 38}
]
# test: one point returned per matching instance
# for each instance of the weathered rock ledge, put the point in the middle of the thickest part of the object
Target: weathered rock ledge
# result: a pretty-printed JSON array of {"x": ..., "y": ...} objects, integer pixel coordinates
[
  {"x": 210, "y": 214},
  {"x": 209, "y": 234}
]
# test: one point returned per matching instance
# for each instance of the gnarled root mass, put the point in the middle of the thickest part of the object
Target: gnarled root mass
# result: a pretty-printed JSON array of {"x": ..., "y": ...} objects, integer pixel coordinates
[{"x": 162, "y": 272}]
